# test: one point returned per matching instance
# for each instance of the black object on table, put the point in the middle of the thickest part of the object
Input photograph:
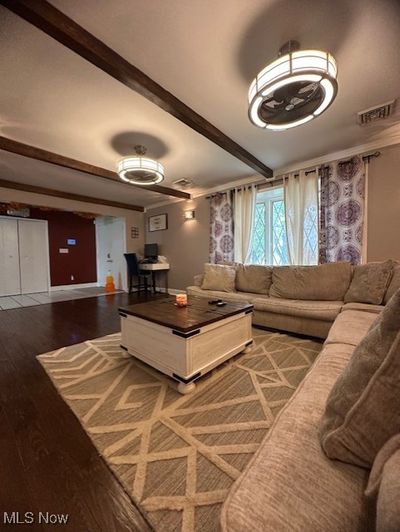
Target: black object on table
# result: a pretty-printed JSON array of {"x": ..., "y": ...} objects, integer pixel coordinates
[{"x": 217, "y": 302}]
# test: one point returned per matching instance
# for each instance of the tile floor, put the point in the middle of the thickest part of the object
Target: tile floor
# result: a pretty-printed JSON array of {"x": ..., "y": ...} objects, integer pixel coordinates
[{"x": 42, "y": 298}]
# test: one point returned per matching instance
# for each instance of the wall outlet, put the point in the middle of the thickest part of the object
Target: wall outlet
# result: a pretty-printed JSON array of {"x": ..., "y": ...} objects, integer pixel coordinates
[{"x": 72, "y": 278}]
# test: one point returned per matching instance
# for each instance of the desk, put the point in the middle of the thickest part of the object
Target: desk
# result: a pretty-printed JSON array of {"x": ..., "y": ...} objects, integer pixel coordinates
[{"x": 154, "y": 269}]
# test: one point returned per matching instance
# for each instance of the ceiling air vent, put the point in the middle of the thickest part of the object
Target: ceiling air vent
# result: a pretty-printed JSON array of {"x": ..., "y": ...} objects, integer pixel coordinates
[
  {"x": 375, "y": 113},
  {"x": 182, "y": 183}
]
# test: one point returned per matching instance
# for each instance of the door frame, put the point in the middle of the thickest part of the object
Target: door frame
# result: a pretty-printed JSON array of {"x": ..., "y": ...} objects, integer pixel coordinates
[
  {"x": 99, "y": 222},
  {"x": 46, "y": 225},
  {"x": 2, "y": 217}
]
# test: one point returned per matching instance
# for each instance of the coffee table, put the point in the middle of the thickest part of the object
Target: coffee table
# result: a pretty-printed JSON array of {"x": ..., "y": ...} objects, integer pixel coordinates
[{"x": 185, "y": 342}]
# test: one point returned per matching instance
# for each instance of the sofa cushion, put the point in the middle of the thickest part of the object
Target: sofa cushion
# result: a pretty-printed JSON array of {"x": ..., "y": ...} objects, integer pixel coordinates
[
  {"x": 253, "y": 278},
  {"x": 391, "y": 447},
  {"x": 363, "y": 307},
  {"x": 394, "y": 283},
  {"x": 370, "y": 282},
  {"x": 290, "y": 485},
  {"x": 217, "y": 294},
  {"x": 384, "y": 484},
  {"x": 350, "y": 327},
  {"x": 290, "y": 323},
  {"x": 219, "y": 277},
  {"x": 363, "y": 409},
  {"x": 327, "y": 282},
  {"x": 322, "y": 310}
]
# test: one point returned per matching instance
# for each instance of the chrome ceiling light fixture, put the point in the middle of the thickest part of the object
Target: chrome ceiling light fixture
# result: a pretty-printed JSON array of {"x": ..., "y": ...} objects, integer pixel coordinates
[
  {"x": 294, "y": 89},
  {"x": 140, "y": 170}
]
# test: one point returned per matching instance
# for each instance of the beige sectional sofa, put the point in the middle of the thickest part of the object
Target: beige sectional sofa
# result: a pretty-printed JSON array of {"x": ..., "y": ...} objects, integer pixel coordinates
[
  {"x": 299, "y": 299},
  {"x": 290, "y": 484}
]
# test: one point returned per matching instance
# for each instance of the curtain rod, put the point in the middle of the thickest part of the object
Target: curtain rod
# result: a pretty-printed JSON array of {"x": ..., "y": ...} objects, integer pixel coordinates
[
  {"x": 370, "y": 156},
  {"x": 272, "y": 182},
  {"x": 365, "y": 158},
  {"x": 256, "y": 183}
]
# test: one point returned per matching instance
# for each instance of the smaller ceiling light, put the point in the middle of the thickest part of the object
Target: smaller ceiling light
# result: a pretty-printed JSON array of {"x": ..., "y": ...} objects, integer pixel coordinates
[
  {"x": 294, "y": 89},
  {"x": 140, "y": 170},
  {"x": 189, "y": 215}
]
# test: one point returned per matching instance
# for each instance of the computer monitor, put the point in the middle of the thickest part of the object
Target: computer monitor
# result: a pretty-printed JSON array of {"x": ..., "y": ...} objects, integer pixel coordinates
[{"x": 150, "y": 251}]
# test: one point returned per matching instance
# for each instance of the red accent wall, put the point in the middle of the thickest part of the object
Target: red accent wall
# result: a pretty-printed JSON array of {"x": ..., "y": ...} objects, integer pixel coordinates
[{"x": 80, "y": 261}]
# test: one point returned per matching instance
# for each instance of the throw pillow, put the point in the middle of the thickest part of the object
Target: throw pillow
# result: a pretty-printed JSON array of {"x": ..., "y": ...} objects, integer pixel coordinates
[
  {"x": 394, "y": 283},
  {"x": 369, "y": 283},
  {"x": 198, "y": 280},
  {"x": 219, "y": 277},
  {"x": 253, "y": 278},
  {"x": 363, "y": 408},
  {"x": 384, "y": 484}
]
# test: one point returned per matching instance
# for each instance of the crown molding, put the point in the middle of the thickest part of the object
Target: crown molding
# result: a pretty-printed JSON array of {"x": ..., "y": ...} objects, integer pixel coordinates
[
  {"x": 255, "y": 179},
  {"x": 391, "y": 138},
  {"x": 213, "y": 190},
  {"x": 164, "y": 203}
]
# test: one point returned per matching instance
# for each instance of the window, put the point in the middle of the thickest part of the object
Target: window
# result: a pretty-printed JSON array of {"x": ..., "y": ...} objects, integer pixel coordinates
[
  {"x": 310, "y": 234},
  {"x": 269, "y": 243}
]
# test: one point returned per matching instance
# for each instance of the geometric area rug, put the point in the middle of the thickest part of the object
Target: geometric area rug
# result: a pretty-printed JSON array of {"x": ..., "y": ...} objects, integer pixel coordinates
[{"x": 178, "y": 456}]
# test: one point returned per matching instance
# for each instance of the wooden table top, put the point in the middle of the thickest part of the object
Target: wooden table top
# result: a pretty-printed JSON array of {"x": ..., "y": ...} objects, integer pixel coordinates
[{"x": 198, "y": 312}]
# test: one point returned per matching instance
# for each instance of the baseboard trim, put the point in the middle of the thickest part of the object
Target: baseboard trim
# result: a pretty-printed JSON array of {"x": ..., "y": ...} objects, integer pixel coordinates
[
  {"x": 171, "y": 291},
  {"x": 72, "y": 286}
]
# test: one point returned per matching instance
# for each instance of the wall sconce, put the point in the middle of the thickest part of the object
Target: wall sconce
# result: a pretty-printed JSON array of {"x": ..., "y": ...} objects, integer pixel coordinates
[{"x": 189, "y": 215}]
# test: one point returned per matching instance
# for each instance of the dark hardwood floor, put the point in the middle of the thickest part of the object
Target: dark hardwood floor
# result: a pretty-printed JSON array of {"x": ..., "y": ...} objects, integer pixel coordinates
[{"x": 48, "y": 463}]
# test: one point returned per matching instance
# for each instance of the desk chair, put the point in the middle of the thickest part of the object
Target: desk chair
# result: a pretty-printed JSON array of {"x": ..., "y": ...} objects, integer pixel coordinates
[{"x": 134, "y": 271}]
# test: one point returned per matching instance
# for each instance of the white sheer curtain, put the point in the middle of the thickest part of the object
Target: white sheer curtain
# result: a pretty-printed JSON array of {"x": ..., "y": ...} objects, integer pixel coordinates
[
  {"x": 244, "y": 210},
  {"x": 301, "y": 210}
]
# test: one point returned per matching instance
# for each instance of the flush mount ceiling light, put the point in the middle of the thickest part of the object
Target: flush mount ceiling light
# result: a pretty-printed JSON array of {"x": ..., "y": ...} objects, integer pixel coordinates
[
  {"x": 294, "y": 89},
  {"x": 140, "y": 170}
]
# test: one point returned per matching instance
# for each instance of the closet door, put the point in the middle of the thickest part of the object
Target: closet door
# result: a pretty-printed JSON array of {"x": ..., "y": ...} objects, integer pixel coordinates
[
  {"x": 33, "y": 256},
  {"x": 9, "y": 259}
]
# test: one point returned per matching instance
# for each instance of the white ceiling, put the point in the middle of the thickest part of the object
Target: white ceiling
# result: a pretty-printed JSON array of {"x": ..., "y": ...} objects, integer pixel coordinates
[
  {"x": 22, "y": 169},
  {"x": 205, "y": 52}
]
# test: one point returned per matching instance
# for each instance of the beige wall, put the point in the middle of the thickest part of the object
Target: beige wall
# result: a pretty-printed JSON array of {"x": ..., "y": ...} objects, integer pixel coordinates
[
  {"x": 132, "y": 218},
  {"x": 184, "y": 243},
  {"x": 384, "y": 205}
]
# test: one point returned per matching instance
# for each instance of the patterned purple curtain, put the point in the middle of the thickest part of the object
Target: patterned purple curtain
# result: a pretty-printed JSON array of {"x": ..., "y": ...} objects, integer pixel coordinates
[
  {"x": 221, "y": 228},
  {"x": 342, "y": 211}
]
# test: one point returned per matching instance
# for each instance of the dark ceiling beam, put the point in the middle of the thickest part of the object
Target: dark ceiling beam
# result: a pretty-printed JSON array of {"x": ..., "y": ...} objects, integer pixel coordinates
[
  {"x": 33, "y": 152},
  {"x": 57, "y": 25},
  {"x": 13, "y": 185}
]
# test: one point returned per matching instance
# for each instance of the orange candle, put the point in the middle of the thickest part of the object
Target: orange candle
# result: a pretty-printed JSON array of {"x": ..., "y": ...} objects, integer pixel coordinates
[{"x": 181, "y": 300}]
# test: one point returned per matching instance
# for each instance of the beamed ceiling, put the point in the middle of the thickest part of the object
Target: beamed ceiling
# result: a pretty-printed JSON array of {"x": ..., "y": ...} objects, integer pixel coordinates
[{"x": 191, "y": 114}]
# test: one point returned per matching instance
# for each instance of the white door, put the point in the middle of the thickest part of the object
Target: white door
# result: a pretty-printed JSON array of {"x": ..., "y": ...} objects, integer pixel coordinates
[
  {"x": 110, "y": 249},
  {"x": 33, "y": 256},
  {"x": 9, "y": 260}
]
